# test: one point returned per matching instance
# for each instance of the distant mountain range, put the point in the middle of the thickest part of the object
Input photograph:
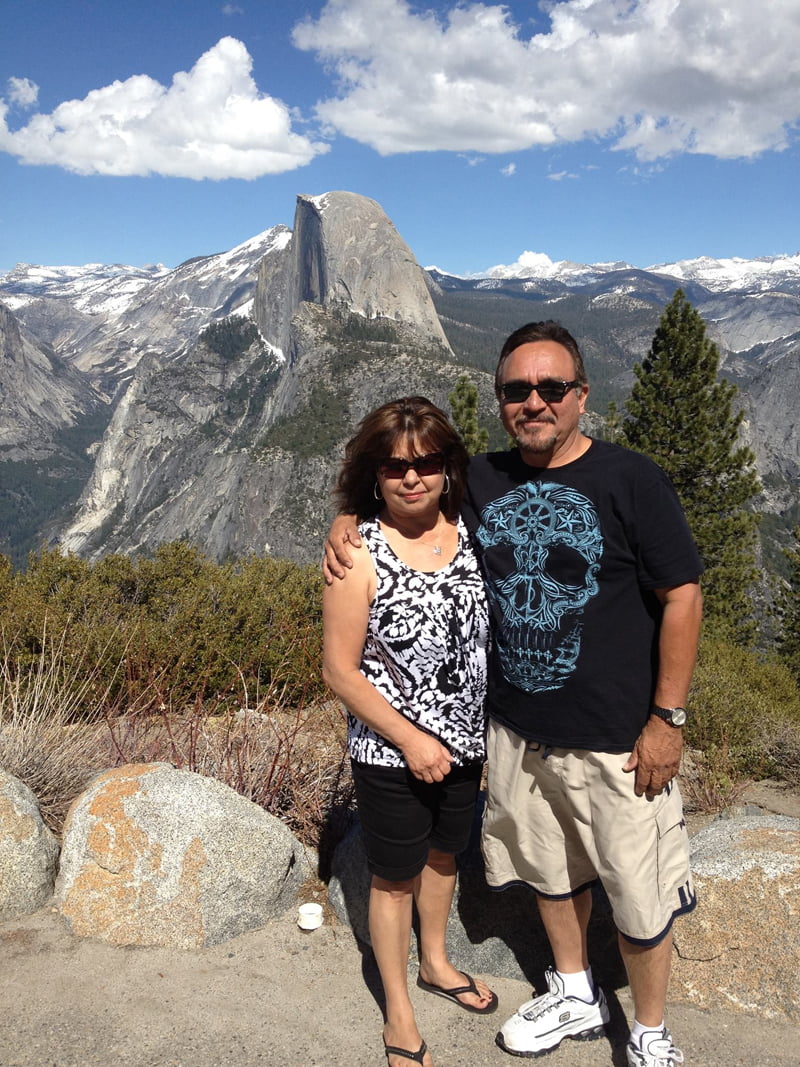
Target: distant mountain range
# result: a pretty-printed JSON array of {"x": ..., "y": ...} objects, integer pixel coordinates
[
  {"x": 127, "y": 422},
  {"x": 781, "y": 273}
]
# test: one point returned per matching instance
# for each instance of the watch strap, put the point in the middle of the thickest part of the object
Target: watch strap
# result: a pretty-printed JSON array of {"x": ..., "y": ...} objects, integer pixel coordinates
[{"x": 674, "y": 716}]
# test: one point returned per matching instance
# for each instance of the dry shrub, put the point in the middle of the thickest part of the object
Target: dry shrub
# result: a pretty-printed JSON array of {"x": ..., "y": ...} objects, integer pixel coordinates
[
  {"x": 782, "y": 747},
  {"x": 291, "y": 762},
  {"x": 709, "y": 781},
  {"x": 59, "y": 728},
  {"x": 288, "y": 759},
  {"x": 40, "y": 742}
]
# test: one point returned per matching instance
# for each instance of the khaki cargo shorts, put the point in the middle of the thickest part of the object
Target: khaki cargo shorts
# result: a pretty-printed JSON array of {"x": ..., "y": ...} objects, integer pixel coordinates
[{"x": 560, "y": 819}]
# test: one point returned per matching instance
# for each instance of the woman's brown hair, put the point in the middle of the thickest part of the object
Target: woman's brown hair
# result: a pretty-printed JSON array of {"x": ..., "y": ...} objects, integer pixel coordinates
[{"x": 425, "y": 427}]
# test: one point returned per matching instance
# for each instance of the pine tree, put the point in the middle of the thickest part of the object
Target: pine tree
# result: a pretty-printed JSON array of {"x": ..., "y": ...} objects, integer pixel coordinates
[
  {"x": 612, "y": 427},
  {"x": 464, "y": 405},
  {"x": 789, "y": 639},
  {"x": 683, "y": 417}
]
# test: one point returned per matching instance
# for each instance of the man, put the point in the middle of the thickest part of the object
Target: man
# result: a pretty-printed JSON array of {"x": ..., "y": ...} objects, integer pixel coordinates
[{"x": 592, "y": 578}]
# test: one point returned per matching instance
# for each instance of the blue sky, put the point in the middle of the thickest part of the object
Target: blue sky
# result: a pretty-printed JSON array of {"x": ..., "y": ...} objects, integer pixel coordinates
[{"x": 593, "y": 130}]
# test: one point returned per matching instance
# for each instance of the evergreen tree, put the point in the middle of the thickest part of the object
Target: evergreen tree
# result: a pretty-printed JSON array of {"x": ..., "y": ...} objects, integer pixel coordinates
[
  {"x": 789, "y": 640},
  {"x": 612, "y": 428},
  {"x": 464, "y": 405},
  {"x": 683, "y": 417}
]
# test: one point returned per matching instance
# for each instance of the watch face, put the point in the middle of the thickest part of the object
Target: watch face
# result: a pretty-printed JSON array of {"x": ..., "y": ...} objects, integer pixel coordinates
[{"x": 674, "y": 716}]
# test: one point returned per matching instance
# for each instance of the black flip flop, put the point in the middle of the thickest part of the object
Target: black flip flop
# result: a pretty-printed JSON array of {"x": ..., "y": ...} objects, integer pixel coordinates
[
  {"x": 453, "y": 994},
  {"x": 395, "y": 1050}
]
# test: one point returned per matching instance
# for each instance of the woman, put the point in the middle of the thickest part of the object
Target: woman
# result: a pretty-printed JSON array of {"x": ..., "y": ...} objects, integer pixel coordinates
[{"x": 406, "y": 638}]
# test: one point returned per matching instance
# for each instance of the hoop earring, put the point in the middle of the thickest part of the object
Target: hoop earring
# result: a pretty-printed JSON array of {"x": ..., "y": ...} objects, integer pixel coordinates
[
  {"x": 446, "y": 486},
  {"x": 376, "y": 492}
]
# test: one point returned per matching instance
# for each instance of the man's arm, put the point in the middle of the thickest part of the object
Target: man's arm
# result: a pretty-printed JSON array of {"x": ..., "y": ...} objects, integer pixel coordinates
[{"x": 656, "y": 755}]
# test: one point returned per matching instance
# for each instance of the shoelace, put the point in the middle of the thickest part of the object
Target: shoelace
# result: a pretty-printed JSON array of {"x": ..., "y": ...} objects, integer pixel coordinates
[
  {"x": 534, "y": 1009},
  {"x": 664, "y": 1051},
  {"x": 540, "y": 1006}
]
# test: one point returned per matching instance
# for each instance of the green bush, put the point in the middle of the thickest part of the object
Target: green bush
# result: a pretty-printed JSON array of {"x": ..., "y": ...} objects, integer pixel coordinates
[
  {"x": 175, "y": 622},
  {"x": 212, "y": 667},
  {"x": 745, "y": 715}
]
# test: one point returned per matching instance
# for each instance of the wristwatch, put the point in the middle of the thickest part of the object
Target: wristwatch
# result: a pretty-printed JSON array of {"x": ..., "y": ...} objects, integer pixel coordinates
[{"x": 674, "y": 716}]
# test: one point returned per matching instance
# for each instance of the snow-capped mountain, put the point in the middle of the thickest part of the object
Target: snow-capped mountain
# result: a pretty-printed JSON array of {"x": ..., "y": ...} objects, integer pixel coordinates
[
  {"x": 745, "y": 302},
  {"x": 537, "y": 266},
  {"x": 95, "y": 288},
  {"x": 102, "y": 319},
  {"x": 767, "y": 273}
]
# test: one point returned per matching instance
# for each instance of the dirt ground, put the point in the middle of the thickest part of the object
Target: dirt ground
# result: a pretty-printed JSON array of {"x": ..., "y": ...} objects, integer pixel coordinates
[
  {"x": 282, "y": 996},
  {"x": 287, "y": 997}
]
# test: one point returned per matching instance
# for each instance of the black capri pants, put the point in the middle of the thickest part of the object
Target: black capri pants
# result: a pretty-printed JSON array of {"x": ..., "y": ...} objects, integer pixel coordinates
[{"x": 402, "y": 818}]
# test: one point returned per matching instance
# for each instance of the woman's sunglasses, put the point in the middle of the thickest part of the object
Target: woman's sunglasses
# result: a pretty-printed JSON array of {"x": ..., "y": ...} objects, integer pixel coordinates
[{"x": 433, "y": 463}]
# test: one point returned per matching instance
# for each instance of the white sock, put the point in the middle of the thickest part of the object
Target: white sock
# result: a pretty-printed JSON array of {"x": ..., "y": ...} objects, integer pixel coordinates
[
  {"x": 637, "y": 1030},
  {"x": 579, "y": 985}
]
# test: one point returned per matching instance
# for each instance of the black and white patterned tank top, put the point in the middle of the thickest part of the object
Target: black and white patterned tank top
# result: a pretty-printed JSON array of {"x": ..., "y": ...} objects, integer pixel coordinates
[{"x": 425, "y": 651}]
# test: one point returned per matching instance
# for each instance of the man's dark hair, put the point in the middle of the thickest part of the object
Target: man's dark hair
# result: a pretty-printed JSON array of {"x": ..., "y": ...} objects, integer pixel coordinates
[{"x": 549, "y": 330}]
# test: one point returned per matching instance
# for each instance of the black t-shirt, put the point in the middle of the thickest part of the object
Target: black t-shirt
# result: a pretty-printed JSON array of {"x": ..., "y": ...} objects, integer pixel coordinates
[{"x": 571, "y": 556}]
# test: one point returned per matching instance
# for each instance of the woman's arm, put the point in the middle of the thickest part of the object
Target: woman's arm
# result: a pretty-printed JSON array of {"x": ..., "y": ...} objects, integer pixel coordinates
[{"x": 345, "y": 614}]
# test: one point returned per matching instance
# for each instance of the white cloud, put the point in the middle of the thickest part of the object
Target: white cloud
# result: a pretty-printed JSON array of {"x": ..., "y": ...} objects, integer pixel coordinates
[
  {"x": 559, "y": 176},
  {"x": 232, "y": 9},
  {"x": 22, "y": 92},
  {"x": 509, "y": 170},
  {"x": 657, "y": 77},
  {"x": 212, "y": 122}
]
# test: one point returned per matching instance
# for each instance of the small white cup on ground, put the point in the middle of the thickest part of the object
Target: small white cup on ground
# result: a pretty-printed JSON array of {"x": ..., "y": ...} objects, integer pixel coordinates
[{"x": 309, "y": 916}]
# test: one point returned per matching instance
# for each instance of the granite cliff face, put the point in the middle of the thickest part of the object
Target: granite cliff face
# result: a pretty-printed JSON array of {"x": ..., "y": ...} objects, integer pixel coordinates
[
  {"x": 233, "y": 440},
  {"x": 49, "y": 413},
  {"x": 41, "y": 394},
  {"x": 344, "y": 252}
]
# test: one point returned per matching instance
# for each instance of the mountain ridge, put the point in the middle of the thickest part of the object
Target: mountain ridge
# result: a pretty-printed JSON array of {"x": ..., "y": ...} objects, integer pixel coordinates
[
  {"x": 735, "y": 273},
  {"x": 335, "y": 316}
]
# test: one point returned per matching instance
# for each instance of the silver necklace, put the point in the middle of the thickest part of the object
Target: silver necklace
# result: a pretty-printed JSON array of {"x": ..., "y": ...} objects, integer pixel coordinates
[{"x": 435, "y": 548}]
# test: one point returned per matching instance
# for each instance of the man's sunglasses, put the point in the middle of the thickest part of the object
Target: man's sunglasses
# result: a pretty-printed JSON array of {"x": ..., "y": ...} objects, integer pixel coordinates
[
  {"x": 551, "y": 392},
  {"x": 433, "y": 463}
]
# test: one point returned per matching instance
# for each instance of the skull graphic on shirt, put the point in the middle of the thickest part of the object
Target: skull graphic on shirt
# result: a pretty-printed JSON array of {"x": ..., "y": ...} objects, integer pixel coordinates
[{"x": 542, "y": 545}]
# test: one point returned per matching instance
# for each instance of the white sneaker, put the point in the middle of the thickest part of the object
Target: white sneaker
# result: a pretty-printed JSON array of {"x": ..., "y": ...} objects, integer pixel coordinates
[
  {"x": 657, "y": 1050},
  {"x": 541, "y": 1024}
]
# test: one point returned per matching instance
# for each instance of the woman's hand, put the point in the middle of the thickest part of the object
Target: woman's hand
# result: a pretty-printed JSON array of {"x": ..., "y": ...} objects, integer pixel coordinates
[{"x": 426, "y": 758}]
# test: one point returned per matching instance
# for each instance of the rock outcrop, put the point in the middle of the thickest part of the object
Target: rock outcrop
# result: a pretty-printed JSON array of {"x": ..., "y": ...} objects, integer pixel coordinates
[
  {"x": 739, "y": 949},
  {"x": 157, "y": 856},
  {"x": 741, "y": 945},
  {"x": 28, "y": 851},
  {"x": 343, "y": 252}
]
